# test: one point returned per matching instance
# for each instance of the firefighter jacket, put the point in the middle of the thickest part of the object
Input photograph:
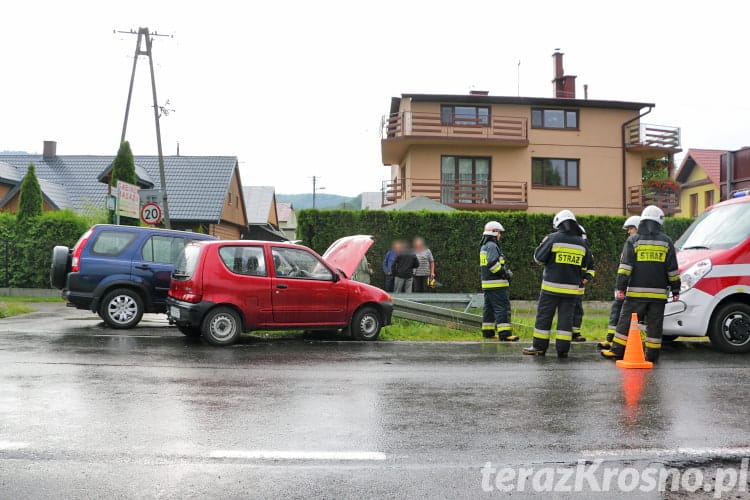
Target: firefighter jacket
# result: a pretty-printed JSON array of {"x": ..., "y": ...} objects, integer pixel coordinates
[
  {"x": 492, "y": 265},
  {"x": 567, "y": 261},
  {"x": 648, "y": 267}
]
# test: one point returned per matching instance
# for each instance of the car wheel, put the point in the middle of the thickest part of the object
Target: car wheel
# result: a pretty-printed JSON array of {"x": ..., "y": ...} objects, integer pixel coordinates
[
  {"x": 730, "y": 328},
  {"x": 58, "y": 272},
  {"x": 221, "y": 326},
  {"x": 189, "y": 331},
  {"x": 366, "y": 324},
  {"x": 121, "y": 308}
]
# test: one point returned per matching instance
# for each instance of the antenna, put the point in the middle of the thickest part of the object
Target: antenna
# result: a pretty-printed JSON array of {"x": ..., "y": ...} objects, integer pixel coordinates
[{"x": 518, "y": 78}]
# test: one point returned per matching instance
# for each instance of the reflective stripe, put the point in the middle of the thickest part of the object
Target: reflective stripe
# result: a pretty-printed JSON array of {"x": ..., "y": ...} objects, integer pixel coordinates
[
  {"x": 621, "y": 336},
  {"x": 673, "y": 273},
  {"x": 569, "y": 248},
  {"x": 653, "y": 340},
  {"x": 646, "y": 295},
  {"x": 488, "y": 326},
  {"x": 502, "y": 329},
  {"x": 541, "y": 334},
  {"x": 591, "y": 272},
  {"x": 576, "y": 329},
  {"x": 611, "y": 329},
  {"x": 646, "y": 289},
  {"x": 562, "y": 288},
  {"x": 496, "y": 267},
  {"x": 650, "y": 243},
  {"x": 559, "y": 335},
  {"x": 494, "y": 283},
  {"x": 651, "y": 345},
  {"x": 674, "y": 278},
  {"x": 623, "y": 271},
  {"x": 626, "y": 266},
  {"x": 617, "y": 340}
]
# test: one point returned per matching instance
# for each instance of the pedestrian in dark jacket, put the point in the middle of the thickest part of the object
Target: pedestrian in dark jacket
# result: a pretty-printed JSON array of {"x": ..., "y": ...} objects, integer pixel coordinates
[
  {"x": 390, "y": 256},
  {"x": 403, "y": 269},
  {"x": 495, "y": 281}
]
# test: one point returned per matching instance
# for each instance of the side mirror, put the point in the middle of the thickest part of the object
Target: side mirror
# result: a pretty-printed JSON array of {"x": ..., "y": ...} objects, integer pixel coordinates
[{"x": 336, "y": 277}]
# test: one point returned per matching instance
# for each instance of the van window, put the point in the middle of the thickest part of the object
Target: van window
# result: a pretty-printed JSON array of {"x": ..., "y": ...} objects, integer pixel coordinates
[
  {"x": 163, "y": 249},
  {"x": 248, "y": 261},
  {"x": 717, "y": 229},
  {"x": 112, "y": 243}
]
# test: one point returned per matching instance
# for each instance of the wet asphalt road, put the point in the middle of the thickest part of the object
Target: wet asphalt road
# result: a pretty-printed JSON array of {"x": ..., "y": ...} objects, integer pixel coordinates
[{"x": 90, "y": 412}]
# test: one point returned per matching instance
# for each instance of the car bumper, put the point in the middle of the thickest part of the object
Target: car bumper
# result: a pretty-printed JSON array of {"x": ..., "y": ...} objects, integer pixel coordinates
[
  {"x": 689, "y": 316},
  {"x": 78, "y": 300},
  {"x": 186, "y": 313},
  {"x": 387, "y": 308}
]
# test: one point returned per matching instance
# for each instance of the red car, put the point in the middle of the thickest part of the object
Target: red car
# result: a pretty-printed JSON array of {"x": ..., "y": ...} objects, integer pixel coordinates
[{"x": 220, "y": 289}]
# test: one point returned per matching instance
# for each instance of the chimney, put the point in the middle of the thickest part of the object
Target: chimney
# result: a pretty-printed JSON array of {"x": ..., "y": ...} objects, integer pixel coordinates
[
  {"x": 563, "y": 86},
  {"x": 50, "y": 149}
]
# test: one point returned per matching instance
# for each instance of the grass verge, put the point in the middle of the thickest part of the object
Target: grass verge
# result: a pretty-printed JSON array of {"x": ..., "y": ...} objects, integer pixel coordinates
[
  {"x": 7, "y": 299},
  {"x": 13, "y": 309}
]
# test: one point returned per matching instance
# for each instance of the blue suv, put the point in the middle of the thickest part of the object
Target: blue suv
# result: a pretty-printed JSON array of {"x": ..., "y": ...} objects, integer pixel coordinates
[{"x": 119, "y": 272}]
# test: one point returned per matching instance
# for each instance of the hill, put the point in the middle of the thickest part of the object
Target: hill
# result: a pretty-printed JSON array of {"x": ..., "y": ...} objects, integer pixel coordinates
[{"x": 322, "y": 200}]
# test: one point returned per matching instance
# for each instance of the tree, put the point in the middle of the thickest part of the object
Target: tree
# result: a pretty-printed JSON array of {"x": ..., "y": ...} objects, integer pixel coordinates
[
  {"x": 123, "y": 169},
  {"x": 30, "y": 196}
]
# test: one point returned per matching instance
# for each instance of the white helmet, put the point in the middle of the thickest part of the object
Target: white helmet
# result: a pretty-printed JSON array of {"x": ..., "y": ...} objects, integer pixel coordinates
[
  {"x": 654, "y": 213},
  {"x": 561, "y": 217},
  {"x": 491, "y": 227},
  {"x": 632, "y": 221}
]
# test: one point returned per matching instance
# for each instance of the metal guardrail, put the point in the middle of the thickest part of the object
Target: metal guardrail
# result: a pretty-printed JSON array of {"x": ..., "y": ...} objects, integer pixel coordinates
[{"x": 435, "y": 315}]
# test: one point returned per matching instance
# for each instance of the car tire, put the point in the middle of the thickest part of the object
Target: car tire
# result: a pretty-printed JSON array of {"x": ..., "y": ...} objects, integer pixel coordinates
[
  {"x": 729, "y": 329},
  {"x": 190, "y": 331},
  {"x": 122, "y": 308},
  {"x": 58, "y": 273},
  {"x": 221, "y": 326},
  {"x": 366, "y": 324}
]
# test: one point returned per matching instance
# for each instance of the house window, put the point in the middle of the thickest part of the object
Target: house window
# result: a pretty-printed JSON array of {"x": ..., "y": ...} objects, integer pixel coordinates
[
  {"x": 694, "y": 205},
  {"x": 464, "y": 179},
  {"x": 708, "y": 198},
  {"x": 465, "y": 115},
  {"x": 554, "y": 172},
  {"x": 554, "y": 118}
]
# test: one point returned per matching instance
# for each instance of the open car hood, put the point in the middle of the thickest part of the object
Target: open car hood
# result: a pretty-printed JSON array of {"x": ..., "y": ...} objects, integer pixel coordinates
[{"x": 347, "y": 252}]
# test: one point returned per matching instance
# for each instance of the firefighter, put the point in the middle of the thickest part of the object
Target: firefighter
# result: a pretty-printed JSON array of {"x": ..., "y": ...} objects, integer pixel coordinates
[
  {"x": 648, "y": 267},
  {"x": 631, "y": 226},
  {"x": 578, "y": 312},
  {"x": 564, "y": 256},
  {"x": 495, "y": 281}
]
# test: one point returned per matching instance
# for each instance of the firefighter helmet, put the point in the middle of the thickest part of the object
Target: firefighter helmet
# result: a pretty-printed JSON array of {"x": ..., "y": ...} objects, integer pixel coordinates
[
  {"x": 632, "y": 221},
  {"x": 561, "y": 217},
  {"x": 654, "y": 213},
  {"x": 491, "y": 227}
]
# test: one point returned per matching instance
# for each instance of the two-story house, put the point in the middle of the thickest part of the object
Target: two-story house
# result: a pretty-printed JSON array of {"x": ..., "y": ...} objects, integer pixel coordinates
[{"x": 483, "y": 152}]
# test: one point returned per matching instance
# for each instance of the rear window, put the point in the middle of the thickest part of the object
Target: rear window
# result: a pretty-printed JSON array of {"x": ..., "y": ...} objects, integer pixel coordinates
[
  {"x": 248, "y": 261},
  {"x": 112, "y": 243},
  {"x": 187, "y": 262}
]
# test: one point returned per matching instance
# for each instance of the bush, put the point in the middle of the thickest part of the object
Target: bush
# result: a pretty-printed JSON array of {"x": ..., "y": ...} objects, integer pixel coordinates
[
  {"x": 454, "y": 240},
  {"x": 30, "y": 201},
  {"x": 28, "y": 245}
]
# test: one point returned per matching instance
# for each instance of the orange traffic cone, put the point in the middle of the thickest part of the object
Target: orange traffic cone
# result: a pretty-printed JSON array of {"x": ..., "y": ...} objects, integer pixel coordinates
[{"x": 634, "y": 357}]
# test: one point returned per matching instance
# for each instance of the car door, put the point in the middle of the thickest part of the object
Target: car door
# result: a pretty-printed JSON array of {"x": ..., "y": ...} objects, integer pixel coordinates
[
  {"x": 305, "y": 291},
  {"x": 153, "y": 265},
  {"x": 247, "y": 284}
]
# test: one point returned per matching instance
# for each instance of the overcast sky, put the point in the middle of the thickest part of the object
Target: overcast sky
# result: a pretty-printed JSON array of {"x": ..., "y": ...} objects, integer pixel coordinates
[{"x": 297, "y": 88}]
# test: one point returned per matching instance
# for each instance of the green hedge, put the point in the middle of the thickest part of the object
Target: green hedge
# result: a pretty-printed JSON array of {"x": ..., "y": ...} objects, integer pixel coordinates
[
  {"x": 454, "y": 240},
  {"x": 26, "y": 247}
]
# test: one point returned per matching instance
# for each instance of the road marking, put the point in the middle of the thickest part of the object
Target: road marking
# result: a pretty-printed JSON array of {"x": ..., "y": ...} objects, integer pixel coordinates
[
  {"x": 660, "y": 452},
  {"x": 298, "y": 455},
  {"x": 12, "y": 445}
]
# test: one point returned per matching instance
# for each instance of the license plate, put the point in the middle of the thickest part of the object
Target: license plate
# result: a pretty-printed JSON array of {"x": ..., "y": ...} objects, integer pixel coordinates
[{"x": 174, "y": 312}]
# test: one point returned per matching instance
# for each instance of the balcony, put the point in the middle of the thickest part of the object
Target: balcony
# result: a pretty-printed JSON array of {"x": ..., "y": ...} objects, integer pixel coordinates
[
  {"x": 400, "y": 130},
  {"x": 659, "y": 139},
  {"x": 492, "y": 195},
  {"x": 638, "y": 198}
]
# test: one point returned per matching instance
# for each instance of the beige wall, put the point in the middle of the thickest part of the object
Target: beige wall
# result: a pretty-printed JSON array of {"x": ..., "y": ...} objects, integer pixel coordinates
[{"x": 597, "y": 145}]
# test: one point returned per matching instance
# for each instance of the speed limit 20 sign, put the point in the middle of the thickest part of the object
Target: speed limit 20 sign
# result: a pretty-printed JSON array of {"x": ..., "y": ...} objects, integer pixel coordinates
[{"x": 151, "y": 213}]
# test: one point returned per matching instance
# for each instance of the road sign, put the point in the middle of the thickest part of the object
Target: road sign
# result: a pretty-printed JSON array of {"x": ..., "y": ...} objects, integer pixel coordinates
[
  {"x": 151, "y": 213},
  {"x": 128, "y": 200}
]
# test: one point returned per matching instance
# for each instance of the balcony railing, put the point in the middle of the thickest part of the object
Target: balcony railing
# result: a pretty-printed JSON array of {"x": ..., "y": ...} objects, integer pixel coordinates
[
  {"x": 644, "y": 136},
  {"x": 666, "y": 199},
  {"x": 415, "y": 124},
  {"x": 491, "y": 194}
]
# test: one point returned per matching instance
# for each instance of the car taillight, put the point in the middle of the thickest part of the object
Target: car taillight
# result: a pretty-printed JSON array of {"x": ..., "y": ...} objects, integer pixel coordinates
[
  {"x": 77, "y": 250},
  {"x": 184, "y": 292}
]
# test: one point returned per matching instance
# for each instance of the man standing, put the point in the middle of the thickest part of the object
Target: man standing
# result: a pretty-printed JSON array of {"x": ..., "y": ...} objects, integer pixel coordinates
[
  {"x": 564, "y": 256},
  {"x": 495, "y": 275},
  {"x": 631, "y": 226},
  {"x": 390, "y": 256},
  {"x": 403, "y": 268},
  {"x": 648, "y": 267}
]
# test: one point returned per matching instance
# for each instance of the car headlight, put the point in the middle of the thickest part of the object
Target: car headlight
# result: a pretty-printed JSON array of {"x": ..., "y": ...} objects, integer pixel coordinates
[{"x": 694, "y": 273}]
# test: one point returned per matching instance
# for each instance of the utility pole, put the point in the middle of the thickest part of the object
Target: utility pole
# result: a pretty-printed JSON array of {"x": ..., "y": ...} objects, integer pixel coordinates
[
  {"x": 315, "y": 180},
  {"x": 147, "y": 37}
]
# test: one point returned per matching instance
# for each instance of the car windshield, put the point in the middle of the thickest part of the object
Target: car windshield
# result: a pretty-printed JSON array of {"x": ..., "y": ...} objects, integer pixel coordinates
[
  {"x": 718, "y": 229},
  {"x": 187, "y": 262}
]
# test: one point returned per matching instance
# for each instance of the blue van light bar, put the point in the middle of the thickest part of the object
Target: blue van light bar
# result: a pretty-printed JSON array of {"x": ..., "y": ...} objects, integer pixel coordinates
[{"x": 740, "y": 194}]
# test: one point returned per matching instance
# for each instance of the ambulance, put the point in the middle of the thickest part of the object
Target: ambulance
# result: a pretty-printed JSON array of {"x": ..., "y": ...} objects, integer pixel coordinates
[{"x": 714, "y": 259}]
